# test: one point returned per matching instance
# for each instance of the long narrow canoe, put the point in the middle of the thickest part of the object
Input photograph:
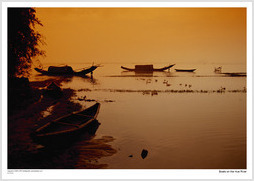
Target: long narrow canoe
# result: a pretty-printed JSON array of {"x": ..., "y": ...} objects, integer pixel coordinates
[
  {"x": 235, "y": 74},
  {"x": 146, "y": 68},
  {"x": 66, "y": 127},
  {"x": 66, "y": 70},
  {"x": 185, "y": 70}
]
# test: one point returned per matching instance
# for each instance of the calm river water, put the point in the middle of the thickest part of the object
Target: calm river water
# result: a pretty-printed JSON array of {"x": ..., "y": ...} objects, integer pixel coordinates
[{"x": 184, "y": 120}]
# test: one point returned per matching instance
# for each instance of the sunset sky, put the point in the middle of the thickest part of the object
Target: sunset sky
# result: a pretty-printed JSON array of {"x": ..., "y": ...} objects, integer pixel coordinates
[{"x": 144, "y": 35}]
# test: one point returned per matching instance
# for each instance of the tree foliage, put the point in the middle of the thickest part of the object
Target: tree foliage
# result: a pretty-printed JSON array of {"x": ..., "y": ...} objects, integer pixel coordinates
[{"x": 23, "y": 40}]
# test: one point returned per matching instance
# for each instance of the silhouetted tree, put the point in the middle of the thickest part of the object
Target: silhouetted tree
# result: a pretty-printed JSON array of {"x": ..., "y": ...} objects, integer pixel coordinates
[{"x": 23, "y": 40}]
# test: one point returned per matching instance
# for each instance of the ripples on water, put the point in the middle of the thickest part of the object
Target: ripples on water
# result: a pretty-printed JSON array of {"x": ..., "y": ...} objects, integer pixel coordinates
[{"x": 184, "y": 120}]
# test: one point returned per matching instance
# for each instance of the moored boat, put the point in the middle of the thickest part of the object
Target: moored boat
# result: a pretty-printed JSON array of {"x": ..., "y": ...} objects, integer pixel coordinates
[
  {"x": 146, "y": 68},
  {"x": 65, "y": 70},
  {"x": 185, "y": 70},
  {"x": 67, "y": 127},
  {"x": 235, "y": 74}
]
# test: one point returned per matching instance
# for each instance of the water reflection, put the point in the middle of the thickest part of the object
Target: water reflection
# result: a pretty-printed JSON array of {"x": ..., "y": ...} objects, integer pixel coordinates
[
  {"x": 144, "y": 74},
  {"x": 184, "y": 120},
  {"x": 84, "y": 153},
  {"x": 137, "y": 74},
  {"x": 42, "y": 81}
]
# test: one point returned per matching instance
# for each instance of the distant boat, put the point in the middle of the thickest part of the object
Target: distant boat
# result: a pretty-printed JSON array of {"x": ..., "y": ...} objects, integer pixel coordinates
[
  {"x": 217, "y": 69},
  {"x": 235, "y": 74},
  {"x": 185, "y": 70},
  {"x": 146, "y": 68},
  {"x": 230, "y": 74},
  {"x": 65, "y": 70},
  {"x": 66, "y": 127}
]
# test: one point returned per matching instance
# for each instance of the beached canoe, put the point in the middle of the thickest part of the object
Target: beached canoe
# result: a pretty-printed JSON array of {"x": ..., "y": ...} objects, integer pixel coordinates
[
  {"x": 67, "y": 127},
  {"x": 185, "y": 70},
  {"x": 146, "y": 68},
  {"x": 65, "y": 70}
]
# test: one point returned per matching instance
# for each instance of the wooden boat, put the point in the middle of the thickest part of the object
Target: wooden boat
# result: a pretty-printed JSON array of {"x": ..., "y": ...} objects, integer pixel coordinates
[
  {"x": 67, "y": 127},
  {"x": 185, "y": 70},
  {"x": 146, "y": 68},
  {"x": 235, "y": 74},
  {"x": 65, "y": 70},
  {"x": 230, "y": 74}
]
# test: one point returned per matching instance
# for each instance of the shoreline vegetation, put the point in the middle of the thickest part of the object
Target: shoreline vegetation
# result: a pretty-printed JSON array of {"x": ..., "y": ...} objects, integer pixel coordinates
[{"x": 26, "y": 105}]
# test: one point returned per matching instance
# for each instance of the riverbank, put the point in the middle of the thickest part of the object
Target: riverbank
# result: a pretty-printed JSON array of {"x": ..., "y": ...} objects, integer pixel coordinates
[{"x": 32, "y": 113}]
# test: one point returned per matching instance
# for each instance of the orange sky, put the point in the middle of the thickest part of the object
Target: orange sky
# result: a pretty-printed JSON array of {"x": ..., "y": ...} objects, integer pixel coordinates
[{"x": 144, "y": 35}]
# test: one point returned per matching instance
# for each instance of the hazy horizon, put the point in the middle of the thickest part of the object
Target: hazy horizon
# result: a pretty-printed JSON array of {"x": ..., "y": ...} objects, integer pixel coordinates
[{"x": 143, "y": 35}]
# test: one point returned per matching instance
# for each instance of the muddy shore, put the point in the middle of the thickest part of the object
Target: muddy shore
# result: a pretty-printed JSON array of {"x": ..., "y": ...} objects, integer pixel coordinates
[{"x": 28, "y": 115}]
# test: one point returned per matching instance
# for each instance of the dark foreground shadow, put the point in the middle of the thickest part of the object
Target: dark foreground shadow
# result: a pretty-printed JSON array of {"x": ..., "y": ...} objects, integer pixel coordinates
[
  {"x": 79, "y": 151},
  {"x": 24, "y": 153}
]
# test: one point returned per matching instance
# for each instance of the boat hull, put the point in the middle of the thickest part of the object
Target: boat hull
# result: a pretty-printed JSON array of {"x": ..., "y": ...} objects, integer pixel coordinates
[
  {"x": 240, "y": 74},
  {"x": 80, "y": 73},
  {"x": 69, "y": 127},
  {"x": 185, "y": 70},
  {"x": 68, "y": 138},
  {"x": 147, "y": 68}
]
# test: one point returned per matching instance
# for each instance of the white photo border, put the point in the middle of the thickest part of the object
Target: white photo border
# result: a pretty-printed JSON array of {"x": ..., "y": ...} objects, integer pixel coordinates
[{"x": 126, "y": 173}]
